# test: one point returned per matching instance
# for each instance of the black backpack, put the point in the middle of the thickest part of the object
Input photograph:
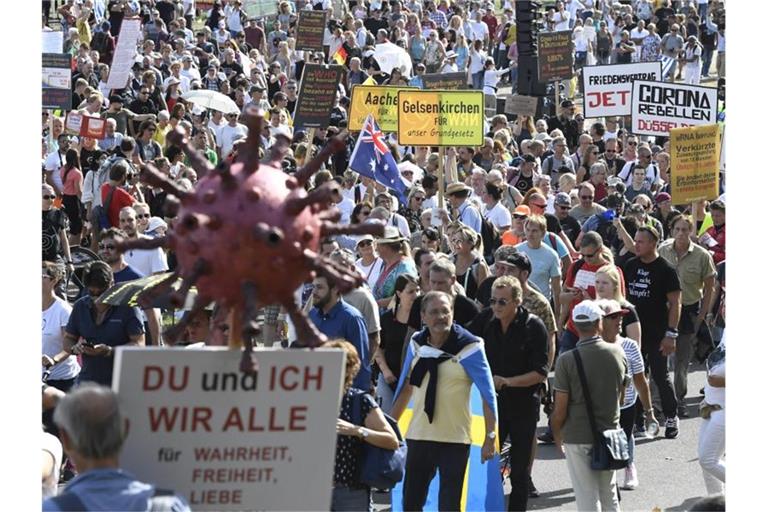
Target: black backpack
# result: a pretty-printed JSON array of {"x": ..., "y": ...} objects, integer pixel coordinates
[{"x": 491, "y": 239}]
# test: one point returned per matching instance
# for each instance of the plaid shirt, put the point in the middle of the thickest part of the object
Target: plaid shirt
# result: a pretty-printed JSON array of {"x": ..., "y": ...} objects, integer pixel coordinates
[{"x": 439, "y": 18}]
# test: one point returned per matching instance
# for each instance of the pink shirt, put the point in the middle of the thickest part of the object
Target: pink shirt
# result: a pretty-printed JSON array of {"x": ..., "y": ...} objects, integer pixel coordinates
[{"x": 74, "y": 181}]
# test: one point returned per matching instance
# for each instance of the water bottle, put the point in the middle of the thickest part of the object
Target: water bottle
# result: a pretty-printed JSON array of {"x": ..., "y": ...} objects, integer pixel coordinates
[{"x": 652, "y": 427}]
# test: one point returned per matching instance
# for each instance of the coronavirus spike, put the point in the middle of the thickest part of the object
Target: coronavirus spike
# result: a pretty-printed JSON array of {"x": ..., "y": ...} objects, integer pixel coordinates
[
  {"x": 147, "y": 297},
  {"x": 173, "y": 333},
  {"x": 368, "y": 228},
  {"x": 250, "y": 328},
  {"x": 199, "y": 163},
  {"x": 268, "y": 234},
  {"x": 224, "y": 171},
  {"x": 248, "y": 153},
  {"x": 333, "y": 146},
  {"x": 200, "y": 268},
  {"x": 332, "y": 214},
  {"x": 145, "y": 243},
  {"x": 324, "y": 195},
  {"x": 151, "y": 175},
  {"x": 307, "y": 334}
]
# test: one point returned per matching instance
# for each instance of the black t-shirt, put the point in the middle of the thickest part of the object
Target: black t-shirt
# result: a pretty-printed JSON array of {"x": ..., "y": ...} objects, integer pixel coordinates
[
  {"x": 571, "y": 228},
  {"x": 464, "y": 311},
  {"x": 89, "y": 160},
  {"x": 628, "y": 319},
  {"x": 54, "y": 221},
  {"x": 524, "y": 184},
  {"x": 392, "y": 340},
  {"x": 647, "y": 287},
  {"x": 166, "y": 10},
  {"x": 373, "y": 25}
]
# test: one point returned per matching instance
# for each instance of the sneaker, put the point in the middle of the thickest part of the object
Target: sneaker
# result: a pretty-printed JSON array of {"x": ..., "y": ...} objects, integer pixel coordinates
[
  {"x": 546, "y": 437},
  {"x": 533, "y": 492},
  {"x": 682, "y": 412},
  {"x": 630, "y": 478},
  {"x": 671, "y": 428},
  {"x": 640, "y": 432}
]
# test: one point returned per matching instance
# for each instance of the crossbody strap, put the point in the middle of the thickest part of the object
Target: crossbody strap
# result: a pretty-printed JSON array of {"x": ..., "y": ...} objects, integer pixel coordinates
[{"x": 587, "y": 397}]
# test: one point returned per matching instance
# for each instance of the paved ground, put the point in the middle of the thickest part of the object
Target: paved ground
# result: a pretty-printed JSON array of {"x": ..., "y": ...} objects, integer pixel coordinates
[{"x": 669, "y": 472}]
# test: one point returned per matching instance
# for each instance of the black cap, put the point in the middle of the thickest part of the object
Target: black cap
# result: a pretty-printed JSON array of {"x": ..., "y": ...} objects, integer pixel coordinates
[
  {"x": 116, "y": 98},
  {"x": 520, "y": 260},
  {"x": 614, "y": 200},
  {"x": 529, "y": 158},
  {"x": 566, "y": 104}
]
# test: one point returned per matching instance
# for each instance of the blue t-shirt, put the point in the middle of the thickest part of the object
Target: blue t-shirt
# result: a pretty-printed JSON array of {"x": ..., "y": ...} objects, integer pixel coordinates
[
  {"x": 127, "y": 274},
  {"x": 346, "y": 322},
  {"x": 545, "y": 264},
  {"x": 120, "y": 323}
]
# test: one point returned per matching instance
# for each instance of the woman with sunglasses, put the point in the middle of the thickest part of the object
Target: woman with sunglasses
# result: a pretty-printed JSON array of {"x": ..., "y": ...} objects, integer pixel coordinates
[
  {"x": 63, "y": 369},
  {"x": 412, "y": 209},
  {"x": 395, "y": 333},
  {"x": 369, "y": 263},
  {"x": 55, "y": 224},
  {"x": 471, "y": 268}
]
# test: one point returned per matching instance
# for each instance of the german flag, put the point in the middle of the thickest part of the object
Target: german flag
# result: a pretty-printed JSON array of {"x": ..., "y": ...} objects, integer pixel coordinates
[{"x": 340, "y": 56}]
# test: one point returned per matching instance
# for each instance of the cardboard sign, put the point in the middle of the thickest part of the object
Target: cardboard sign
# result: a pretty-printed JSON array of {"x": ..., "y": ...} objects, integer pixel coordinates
[
  {"x": 226, "y": 440},
  {"x": 57, "y": 81},
  {"x": 380, "y": 101},
  {"x": 53, "y": 41},
  {"x": 659, "y": 107},
  {"x": 608, "y": 89},
  {"x": 440, "y": 118},
  {"x": 555, "y": 56},
  {"x": 521, "y": 105},
  {"x": 310, "y": 30},
  {"x": 125, "y": 51},
  {"x": 86, "y": 126},
  {"x": 695, "y": 163},
  {"x": 445, "y": 81},
  {"x": 317, "y": 94}
]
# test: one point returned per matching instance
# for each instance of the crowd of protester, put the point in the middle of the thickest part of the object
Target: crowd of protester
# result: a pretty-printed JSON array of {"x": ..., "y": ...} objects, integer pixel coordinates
[{"x": 557, "y": 233}]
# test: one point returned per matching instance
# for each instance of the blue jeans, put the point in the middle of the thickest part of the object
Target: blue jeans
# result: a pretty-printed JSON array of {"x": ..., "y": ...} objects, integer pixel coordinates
[
  {"x": 706, "y": 59},
  {"x": 477, "y": 80},
  {"x": 568, "y": 341},
  {"x": 344, "y": 498},
  {"x": 703, "y": 11},
  {"x": 385, "y": 393}
]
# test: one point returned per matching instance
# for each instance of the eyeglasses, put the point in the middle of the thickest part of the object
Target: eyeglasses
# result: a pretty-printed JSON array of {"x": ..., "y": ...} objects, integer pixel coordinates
[
  {"x": 631, "y": 143},
  {"x": 563, "y": 206},
  {"x": 542, "y": 206},
  {"x": 500, "y": 302},
  {"x": 143, "y": 215},
  {"x": 110, "y": 247},
  {"x": 144, "y": 92},
  {"x": 519, "y": 217},
  {"x": 419, "y": 199},
  {"x": 610, "y": 150},
  {"x": 595, "y": 152},
  {"x": 587, "y": 256},
  {"x": 586, "y": 197},
  {"x": 49, "y": 198},
  {"x": 365, "y": 243}
]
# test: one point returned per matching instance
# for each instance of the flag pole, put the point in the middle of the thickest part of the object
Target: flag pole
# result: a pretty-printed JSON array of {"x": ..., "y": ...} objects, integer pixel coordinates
[{"x": 440, "y": 178}]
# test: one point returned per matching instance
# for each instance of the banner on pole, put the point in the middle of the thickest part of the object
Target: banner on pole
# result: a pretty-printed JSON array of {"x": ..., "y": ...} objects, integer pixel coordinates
[
  {"x": 659, "y": 107},
  {"x": 695, "y": 163},
  {"x": 226, "y": 440},
  {"x": 380, "y": 101},
  {"x": 317, "y": 94},
  {"x": 125, "y": 53},
  {"x": 608, "y": 89},
  {"x": 445, "y": 81},
  {"x": 555, "y": 56},
  {"x": 310, "y": 29},
  {"x": 440, "y": 118}
]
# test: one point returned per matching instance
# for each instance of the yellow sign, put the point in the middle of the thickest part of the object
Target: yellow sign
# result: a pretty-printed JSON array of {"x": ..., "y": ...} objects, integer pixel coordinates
[
  {"x": 695, "y": 163},
  {"x": 381, "y": 101},
  {"x": 440, "y": 118}
]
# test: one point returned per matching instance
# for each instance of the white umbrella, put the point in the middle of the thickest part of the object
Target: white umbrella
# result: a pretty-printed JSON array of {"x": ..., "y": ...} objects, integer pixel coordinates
[
  {"x": 389, "y": 55},
  {"x": 212, "y": 100}
]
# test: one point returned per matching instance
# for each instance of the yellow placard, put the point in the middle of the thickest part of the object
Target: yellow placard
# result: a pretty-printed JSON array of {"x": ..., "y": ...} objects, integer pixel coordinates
[
  {"x": 380, "y": 101},
  {"x": 695, "y": 163},
  {"x": 440, "y": 118}
]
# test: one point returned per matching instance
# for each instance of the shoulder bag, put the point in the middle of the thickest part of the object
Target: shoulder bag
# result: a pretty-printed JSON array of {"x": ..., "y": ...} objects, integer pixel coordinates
[
  {"x": 379, "y": 468},
  {"x": 610, "y": 449}
]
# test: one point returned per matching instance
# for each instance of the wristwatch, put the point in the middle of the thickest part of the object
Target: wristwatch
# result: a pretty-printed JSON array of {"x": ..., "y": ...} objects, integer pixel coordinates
[
  {"x": 363, "y": 432},
  {"x": 492, "y": 434}
]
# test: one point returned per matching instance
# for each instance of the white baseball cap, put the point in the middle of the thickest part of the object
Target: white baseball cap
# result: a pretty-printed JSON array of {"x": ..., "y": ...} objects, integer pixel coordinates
[{"x": 587, "y": 311}]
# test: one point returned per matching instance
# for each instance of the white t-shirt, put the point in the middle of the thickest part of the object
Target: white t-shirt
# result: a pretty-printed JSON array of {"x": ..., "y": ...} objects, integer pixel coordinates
[
  {"x": 146, "y": 261},
  {"x": 479, "y": 31},
  {"x": 346, "y": 206},
  {"x": 53, "y": 163},
  {"x": 228, "y": 135},
  {"x": 652, "y": 174},
  {"x": 638, "y": 34},
  {"x": 561, "y": 20},
  {"x": 372, "y": 271},
  {"x": 499, "y": 216},
  {"x": 55, "y": 318}
]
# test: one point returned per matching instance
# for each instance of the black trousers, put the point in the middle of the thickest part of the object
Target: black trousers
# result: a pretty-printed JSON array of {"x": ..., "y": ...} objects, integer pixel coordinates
[
  {"x": 424, "y": 459},
  {"x": 658, "y": 365},
  {"x": 519, "y": 423}
]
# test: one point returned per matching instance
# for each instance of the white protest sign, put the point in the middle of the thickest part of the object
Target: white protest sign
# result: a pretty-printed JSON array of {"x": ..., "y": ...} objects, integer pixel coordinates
[
  {"x": 53, "y": 41},
  {"x": 608, "y": 89},
  {"x": 123, "y": 60},
  {"x": 658, "y": 107},
  {"x": 226, "y": 440}
]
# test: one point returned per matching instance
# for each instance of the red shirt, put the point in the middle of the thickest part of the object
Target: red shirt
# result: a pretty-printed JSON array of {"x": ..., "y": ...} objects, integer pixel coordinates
[
  {"x": 584, "y": 279},
  {"x": 120, "y": 200},
  {"x": 492, "y": 23}
]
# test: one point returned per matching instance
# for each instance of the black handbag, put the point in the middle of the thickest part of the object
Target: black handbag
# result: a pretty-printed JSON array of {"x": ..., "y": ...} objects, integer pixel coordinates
[{"x": 610, "y": 449}]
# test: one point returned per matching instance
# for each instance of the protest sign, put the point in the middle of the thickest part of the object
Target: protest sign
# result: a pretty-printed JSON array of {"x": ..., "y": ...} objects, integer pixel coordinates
[
  {"x": 317, "y": 94},
  {"x": 555, "y": 56},
  {"x": 226, "y": 440},
  {"x": 310, "y": 30},
  {"x": 259, "y": 8},
  {"x": 608, "y": 89},
  {"x": 125, "y": 52},
  {"x": 86, "y": 126},
  {"x": 445, "y": 81},
  {"x": 440, "y": 118},
  {"x": 381, "y": 101},
  {"x": 53, "y": 41},
  {"x": 695, "y": 163},
  {"x": 658, "y": 107},
  {"x": 57, "y": 81},
  {"x": 521, "y": 105}
]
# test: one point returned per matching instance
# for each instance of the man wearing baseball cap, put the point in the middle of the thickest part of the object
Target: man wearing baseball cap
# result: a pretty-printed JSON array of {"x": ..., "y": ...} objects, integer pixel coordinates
[{"x": 606, "y": 374}]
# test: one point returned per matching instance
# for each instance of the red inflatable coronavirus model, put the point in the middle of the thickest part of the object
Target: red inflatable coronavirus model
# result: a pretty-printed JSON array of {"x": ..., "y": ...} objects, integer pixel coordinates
[{"x": 248, "y": 234}]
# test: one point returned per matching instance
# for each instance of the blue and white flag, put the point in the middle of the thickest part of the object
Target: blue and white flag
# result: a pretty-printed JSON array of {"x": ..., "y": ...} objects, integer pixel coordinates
[
  {"x": 666, "y": 66},
  {"x": 372, "y": 158}
]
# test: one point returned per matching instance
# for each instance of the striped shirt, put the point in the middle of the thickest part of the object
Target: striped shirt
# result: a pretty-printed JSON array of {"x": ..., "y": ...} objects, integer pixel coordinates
[
  {"x": 439, "y": 18},
  {"x": 635, "y": 361}
]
